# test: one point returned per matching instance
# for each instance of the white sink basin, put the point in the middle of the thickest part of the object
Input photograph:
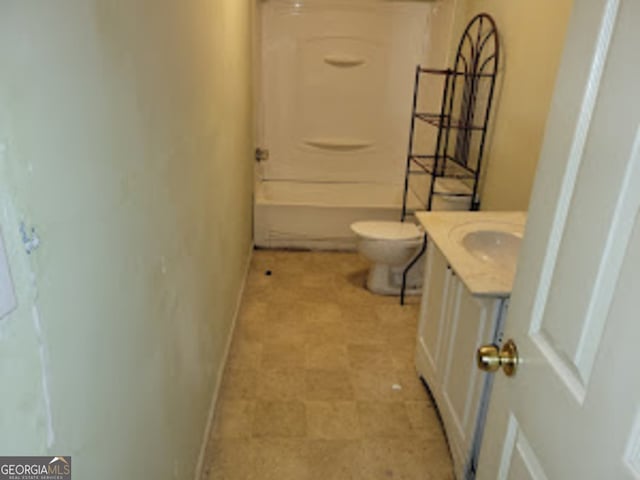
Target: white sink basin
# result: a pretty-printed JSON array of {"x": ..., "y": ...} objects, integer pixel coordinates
[
  {"x": 494, "y": 246},
  {"x": 480, "y": 247}
]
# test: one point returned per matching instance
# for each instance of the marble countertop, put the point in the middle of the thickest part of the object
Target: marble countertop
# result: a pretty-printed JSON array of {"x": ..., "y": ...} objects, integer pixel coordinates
[{"x": 483, "y": 278}]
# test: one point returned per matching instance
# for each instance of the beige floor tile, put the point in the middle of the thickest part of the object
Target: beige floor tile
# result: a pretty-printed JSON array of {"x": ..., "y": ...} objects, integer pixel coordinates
[
  {"x": 404, "y": 356},
  {"x": 405, "y": 458},
  {"x": 244, "y": 354},
  {"x": 303, "y": 288},
  {"x": 256, "y": 282},
  {"x": 412, "y": 386},
  {"x": 251, "y": 320},
  {"x": 291, "y": 282},
  {"x": 376, "y": 386},
  {"x": 265, "y": 290},
  {"x": 230, "y": 460},
  {"x": 328, "y": 385},
  {"x": 283, "y": 384},
  {"x": 384, "y": 419},
  {"x": 398, "y": 336},
  {"x": 364, "y": 331},
  {"x": 279, "y": 419},
  {"x": 282, "y": 355},
  {"x": 353, "y": 290},
  {"x": 334, "y": 460},
  {"x": 314, "y": 294},
  {"x": 320, "y": 280},
  {"x": 233, "y": 419},
  {"x": 330, "y": 356},
  {"x": 308, "y": 392},
  {"x": 399, "y": 315},
  {"x": 281, "y": 459},
  {"x": 238, "y": 384},
  {"x": 333, "y": 420},
  {"x": 363, "y": 325},
  {"x": 284, "y": 331},
  {"x": 313, "y": 312},
  {"x": 324, "y": 331},
  {"x": 398, "y": 323},
  {"x": 360, "y": 312},
  {"x": 424, "y": 420},
  {"x": 260, "y": 261},
  {"x": 321, "y": 322},
  {"x": 373, "y": 357},
  {"x": 338, "y": 262}
]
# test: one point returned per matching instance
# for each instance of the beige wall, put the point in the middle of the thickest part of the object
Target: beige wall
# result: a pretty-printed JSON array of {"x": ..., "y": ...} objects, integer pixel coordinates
[
  {"x": 532, "y": 37},
  {"x": 125, "y": 141}
]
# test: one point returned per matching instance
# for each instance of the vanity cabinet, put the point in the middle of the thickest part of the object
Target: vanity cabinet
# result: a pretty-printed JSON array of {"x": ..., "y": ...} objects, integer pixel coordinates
[{"x": 453, "y": 324}]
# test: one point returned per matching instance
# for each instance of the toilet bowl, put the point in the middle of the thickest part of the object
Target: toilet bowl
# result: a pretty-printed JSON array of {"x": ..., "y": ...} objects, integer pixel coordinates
[{"x": 390, "y": 246}]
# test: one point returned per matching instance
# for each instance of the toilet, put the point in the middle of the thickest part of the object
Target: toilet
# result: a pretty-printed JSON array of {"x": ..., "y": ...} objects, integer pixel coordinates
[{"x": 390, "y": 246}]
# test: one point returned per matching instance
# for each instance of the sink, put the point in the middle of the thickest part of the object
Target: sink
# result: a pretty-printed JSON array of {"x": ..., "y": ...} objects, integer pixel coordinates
[
  {"x": 482, "y": 248},
  {"x": 495, "y": 246}
]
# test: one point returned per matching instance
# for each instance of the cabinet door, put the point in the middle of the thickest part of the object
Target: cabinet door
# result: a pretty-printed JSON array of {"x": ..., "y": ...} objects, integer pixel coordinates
[
  {"x": 471, "y": 322},
  {"x": 431, "y": 327}
]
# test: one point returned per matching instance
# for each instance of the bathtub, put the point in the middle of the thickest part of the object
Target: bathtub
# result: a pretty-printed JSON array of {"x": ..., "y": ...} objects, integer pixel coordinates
[{"x": 317, "y": 216}]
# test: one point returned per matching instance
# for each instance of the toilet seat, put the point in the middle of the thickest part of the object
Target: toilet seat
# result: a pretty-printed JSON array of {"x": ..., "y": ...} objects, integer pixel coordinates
[{"x": 380, "y": 230}]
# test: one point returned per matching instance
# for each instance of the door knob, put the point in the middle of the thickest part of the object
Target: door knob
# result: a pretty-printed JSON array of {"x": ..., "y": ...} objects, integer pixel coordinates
[{"x": 491, "y": 358}]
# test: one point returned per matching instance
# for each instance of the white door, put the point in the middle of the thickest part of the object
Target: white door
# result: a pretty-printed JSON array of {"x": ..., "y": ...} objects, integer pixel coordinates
[{"x": 572, "y": 411}]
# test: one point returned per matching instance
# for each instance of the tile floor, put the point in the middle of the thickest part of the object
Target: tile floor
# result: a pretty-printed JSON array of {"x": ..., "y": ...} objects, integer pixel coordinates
[{"x": 307, "y": 393}]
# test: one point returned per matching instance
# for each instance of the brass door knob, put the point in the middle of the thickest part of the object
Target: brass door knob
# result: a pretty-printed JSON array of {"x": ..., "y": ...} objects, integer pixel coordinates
[{"x": 491, "y": 358}]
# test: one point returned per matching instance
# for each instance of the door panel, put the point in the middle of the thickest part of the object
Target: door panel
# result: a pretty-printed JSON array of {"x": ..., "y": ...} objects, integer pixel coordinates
[
  {"x": 472, "y": 322},
  {"x": 519, "y": 460},
  {"x": 571, "y": 325},
  {"x": 432, "y": 312}
]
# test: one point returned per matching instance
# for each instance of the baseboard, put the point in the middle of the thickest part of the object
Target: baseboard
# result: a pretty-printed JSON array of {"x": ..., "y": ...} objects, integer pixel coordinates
[{"x": 216, "y": 390}]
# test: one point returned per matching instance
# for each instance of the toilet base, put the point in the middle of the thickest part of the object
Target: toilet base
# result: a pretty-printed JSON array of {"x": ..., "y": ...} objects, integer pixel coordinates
[{"x": 386, "y": 280}]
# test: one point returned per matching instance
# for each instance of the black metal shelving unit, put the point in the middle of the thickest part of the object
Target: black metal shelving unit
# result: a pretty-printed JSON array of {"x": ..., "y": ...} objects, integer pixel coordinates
[{"x": 461, "y": 123}]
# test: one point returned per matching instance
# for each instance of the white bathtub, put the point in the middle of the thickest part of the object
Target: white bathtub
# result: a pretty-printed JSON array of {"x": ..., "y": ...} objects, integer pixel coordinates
[{"x": 317, "y": 216}]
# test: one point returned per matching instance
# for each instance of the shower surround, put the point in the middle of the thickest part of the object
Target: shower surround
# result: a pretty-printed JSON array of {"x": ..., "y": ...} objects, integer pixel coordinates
[{"x": 335, "y": 104}]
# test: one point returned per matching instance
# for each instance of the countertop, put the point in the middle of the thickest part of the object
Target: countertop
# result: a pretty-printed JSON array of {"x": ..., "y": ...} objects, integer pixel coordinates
[{"x": 481, "y": 278}]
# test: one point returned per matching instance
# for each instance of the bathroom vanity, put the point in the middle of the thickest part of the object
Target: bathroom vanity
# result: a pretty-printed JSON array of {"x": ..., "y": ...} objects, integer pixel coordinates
[{"x": 471, "y": 261}]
